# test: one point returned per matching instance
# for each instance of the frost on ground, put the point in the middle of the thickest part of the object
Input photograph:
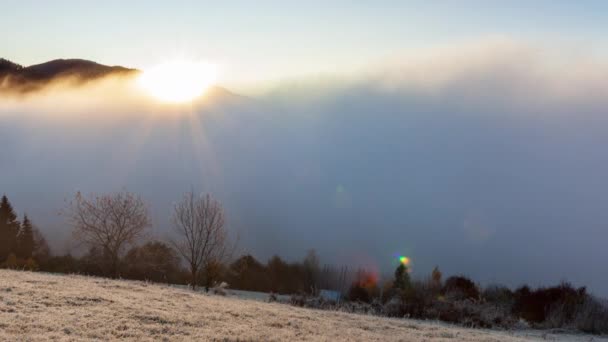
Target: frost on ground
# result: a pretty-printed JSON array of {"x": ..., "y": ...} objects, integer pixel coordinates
[{"x": 36, "y": 306}]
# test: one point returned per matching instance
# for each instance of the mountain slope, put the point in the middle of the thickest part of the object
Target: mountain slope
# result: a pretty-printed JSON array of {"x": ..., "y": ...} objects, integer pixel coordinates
[
  {"x": 7, "y": 67},
  {"x": 16, "y": 78}
]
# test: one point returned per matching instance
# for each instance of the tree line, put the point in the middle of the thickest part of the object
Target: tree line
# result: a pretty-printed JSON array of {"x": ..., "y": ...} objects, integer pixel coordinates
[
  {"x": 21, "y": 244},
  {"x": 112, "y": 229}
]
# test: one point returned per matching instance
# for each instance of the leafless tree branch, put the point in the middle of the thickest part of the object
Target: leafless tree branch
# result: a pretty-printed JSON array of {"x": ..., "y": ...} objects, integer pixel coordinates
[
  {"x": 110, "y": 222},
  {"x": 203, "y": 237}
]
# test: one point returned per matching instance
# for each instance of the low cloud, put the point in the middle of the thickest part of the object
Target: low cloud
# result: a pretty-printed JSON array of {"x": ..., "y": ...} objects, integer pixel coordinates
[{"x": 386, "y": 162}]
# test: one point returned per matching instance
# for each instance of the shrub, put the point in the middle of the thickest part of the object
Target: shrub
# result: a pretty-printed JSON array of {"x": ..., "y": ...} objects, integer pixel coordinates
[
  {"x": 358, "y": 293},
  {"x": 154, "y": 261},
  {"x": 418, "y": 299},
  {"x": 592, "y": 316},
  {"x": 483, "y": 315},
  {"x": 558, "y": 303},
  {"x": 460, "y": 288},
  {"x": 60, "y": 264},
  {"x": 11, "y": 262},
  {"x": 364, "y": 287},
  {"x": 394, "y": 307},
  {"x": 96, "y": 263},
  {"x": 499, "y": 295},
  {"x": 31, "y": 265},
  {"x": 298, "y": 300},
  {"x": 389, "y": 292},
  {"x": 246, "y": 273}
]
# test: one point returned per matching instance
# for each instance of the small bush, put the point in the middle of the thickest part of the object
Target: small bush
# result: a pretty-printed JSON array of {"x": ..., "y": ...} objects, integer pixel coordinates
[
  {"x": 11, "y": 262},
  {"x": 389, "y": 292},
  {"x": 298, "y": 300},
  {"x": 499, "y": 295},
  {"x": 460, "y": 288},
  {"x": 553, "y": 305},
  {"x": 483, "y": 315},
  {"x": 592, "y": 316},
  {"x": 359, "y": 293},
  {"x": 30, "y": 265},
  {"x": 61, "y": 264},
  {"x": 394, "y": 307},
  {"x": 418, "y": 298},
  {"x": 153, "y": 261}
]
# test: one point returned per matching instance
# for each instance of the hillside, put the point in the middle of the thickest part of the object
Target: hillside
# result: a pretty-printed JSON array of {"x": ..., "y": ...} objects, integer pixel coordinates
[
  {"x": 16, "y": 78},
  {"x": 43, "y": 307}
]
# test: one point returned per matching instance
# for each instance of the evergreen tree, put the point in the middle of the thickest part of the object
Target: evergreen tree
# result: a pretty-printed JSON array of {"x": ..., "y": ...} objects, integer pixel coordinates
[
  {"x": 402, "y": 277},
  {"x": 9, "y": 229},
  {"x": 25, "y": 239},
  {"x": 436, "y": 277}
]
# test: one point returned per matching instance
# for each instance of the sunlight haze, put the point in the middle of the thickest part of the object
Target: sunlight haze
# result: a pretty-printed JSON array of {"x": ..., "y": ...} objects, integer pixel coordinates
[
  {"x": 364, "y": 166},
  {"x": 275, "y": 40}
]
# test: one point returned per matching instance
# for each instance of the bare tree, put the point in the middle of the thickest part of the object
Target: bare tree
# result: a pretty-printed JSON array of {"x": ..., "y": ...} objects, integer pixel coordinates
[
  {"x": 109, "y": 222},
  {"x": 203, "y": 238}
]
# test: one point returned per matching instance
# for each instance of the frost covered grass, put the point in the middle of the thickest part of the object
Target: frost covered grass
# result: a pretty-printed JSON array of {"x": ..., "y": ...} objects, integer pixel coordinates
[{"x": 36, "y": 306}]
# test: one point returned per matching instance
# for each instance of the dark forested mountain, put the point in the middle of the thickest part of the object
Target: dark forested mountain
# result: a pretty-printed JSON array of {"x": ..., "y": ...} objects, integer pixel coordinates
[
  {"x": 7, "y": 66},
  {"x": 17, "y": 78}
]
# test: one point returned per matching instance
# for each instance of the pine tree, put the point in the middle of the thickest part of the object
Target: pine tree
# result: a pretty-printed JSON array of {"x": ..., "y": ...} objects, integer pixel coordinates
[
  {"x": 9, "y": 229},
  {"x": 25, "y": 239},
  {"x": 436, "y": 277},
  {"x": 402, "y": 277}
]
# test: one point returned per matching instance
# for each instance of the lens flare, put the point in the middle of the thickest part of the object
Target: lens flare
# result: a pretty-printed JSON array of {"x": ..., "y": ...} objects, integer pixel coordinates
[{"x": 404, "y": 260}]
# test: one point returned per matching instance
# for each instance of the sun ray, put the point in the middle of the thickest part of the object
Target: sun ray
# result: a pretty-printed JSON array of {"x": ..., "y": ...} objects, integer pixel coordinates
[{"x": 204, "y": 155}]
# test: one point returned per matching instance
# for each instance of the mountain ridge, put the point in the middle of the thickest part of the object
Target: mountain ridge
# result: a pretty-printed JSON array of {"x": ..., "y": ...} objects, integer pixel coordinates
[
  {"x": 16, "y": 79},
  {"x": 23, "y": 79}
]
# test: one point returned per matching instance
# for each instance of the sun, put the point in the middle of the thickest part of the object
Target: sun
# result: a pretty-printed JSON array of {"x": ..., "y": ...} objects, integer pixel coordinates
[{"x": 178, "y": 81}]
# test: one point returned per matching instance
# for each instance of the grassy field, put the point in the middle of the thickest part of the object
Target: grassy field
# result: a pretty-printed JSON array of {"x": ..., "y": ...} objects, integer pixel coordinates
[{"x": 36, "y": 306}]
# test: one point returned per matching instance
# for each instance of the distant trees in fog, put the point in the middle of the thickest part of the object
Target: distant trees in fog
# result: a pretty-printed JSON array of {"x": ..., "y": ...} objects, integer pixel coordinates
[
  {"x": 282, "y": 277},
  {"x": 113, "y": 227}
]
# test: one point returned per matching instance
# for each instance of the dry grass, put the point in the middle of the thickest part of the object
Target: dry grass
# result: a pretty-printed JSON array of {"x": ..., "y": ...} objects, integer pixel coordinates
[{"x": 35, "y": 306}]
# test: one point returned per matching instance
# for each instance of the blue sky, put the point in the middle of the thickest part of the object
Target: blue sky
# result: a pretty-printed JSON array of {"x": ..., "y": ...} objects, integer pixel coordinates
[{"x": 270, "y": 40}]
